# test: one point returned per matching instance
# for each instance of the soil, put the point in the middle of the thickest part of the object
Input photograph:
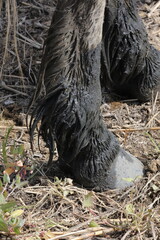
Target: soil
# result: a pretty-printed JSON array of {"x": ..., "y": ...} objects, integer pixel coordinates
[{"x": 54, "y": 206}]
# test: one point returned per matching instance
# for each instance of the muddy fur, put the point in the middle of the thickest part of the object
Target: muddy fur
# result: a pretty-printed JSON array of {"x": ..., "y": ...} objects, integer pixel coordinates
[
  {"x": 70, "y": 110},
  {"x": 74, "y": 58}
]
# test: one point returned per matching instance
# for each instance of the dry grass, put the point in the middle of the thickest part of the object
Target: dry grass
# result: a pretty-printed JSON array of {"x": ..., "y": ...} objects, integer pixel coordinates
[
  {"x": 11, "y": 35},
  {"x": 57, "y": 210}
]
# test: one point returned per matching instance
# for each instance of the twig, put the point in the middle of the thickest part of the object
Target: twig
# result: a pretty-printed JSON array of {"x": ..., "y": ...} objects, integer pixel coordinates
[
  {"x": 135, "y": 129},
  {"x": 157, "y": 120},
  {"x": 7, "y": 38},
  {"x": 147, "y": 184},
  {"x": 0, "y": 5},
  {"x": 29, "y": 41},
  {"x": 31, "y": 5},
  {"x": 157, "y": 199},
  {"x": 22, "y": 86},
  {"x": 88, "y": 233},
  {"x": 15, "y": 19},
  {"x": 92, "y": 234},
  {"x": 44, "y": 7},
  {"x": 82, "y": 224},
  {"x": 154, "y": 143},
  {"x": 151, "y": 120},
  {"x": 14, "y": 76},
  {"x": 154, "y": 8},
  {"x": 126, "y": 234},
  {"x": 6, "y": 234},
  {"x": 153, "y": 231},
  {"x": 4, "y": 86},
  {"x": 112, "y": 130},
  {"x": 14, "y": 127}
]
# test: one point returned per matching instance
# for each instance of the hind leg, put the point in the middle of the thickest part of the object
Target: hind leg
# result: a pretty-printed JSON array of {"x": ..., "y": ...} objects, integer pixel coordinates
[{"x": 130, "y": 64}]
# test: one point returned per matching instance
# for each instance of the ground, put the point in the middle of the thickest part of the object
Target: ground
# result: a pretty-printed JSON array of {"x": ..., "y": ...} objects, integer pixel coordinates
[{"x": 53, "y": 208}]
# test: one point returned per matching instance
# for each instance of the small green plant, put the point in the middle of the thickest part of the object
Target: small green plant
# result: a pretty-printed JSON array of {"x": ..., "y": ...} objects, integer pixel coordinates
[
  {"x": 88, "y": 200},
  {"x": 12, "y": 156},
  {"x": 12, "y": 159},
  {"x": 4, "y": 145},
  {"x": 16, "y": 152},
  {"x": 10, "y": 216}
]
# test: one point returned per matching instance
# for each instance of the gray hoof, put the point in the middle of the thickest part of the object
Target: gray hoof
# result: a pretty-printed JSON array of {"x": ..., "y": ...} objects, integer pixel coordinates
[{"x": 124, "y": 171}]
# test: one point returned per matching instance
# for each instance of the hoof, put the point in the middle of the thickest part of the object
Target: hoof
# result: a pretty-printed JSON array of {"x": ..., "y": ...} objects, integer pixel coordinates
[{"x": 124, "y": 171}]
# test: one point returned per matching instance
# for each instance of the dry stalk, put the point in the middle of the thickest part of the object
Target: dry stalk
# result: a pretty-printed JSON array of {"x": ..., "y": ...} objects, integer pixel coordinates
[
  {"x": 14, "y": 127},
  {"x": 12, "y": 19},
  {"x": 15, "y": 19},
  {"x": 0, "y": 5},
  {"x": 135, "y": 129},
  {"x": 86, "y": 233},
  {"x": 154, "y": 111},
  {"x": 112, "y": 130},
  {"x": 126, "y": 234},
  {"x": 153, "y": 9},
  {"x": 4, "y": 86},
  {"x": 8, "y": 13}
]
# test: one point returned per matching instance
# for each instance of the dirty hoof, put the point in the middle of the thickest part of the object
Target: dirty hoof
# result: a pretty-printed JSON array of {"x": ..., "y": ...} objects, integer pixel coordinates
[{"x": 124, "y": 171}]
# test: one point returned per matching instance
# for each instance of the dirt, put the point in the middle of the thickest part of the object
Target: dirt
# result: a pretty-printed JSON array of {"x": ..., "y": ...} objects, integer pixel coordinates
[{"x": 58, "y": 206}]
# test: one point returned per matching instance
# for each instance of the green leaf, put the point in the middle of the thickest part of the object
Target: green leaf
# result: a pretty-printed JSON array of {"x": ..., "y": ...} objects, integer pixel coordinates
[
  {"x": 2, "y": 199},
  {"x": 4, "y": 151},
  {"x": 65, "y": 193},
  {"x": 17, "y": 213},
  {"x": 21, "y": 222},
  {"x": 17, "y": 150},
  {"x": 17, "y": 230},
  {"x": 93, "y": 224},
  {"x": 3, "y": 225},
  {"x": 4, "y": 145},
  {"x": 155, "y": 188},
  {"x": 12, "y": 148},
  {"x": 21, "y": 150},
  {"x": 6, "y": 207},
  {"x": 130, "y": 208},
  {"x": 88, "y": 200},
  {"x": 21, "y": 184},
  {"x": 128, "y": 179},
  {"x": 13, "y": 222},
  {"x": 6, "y": 178},
  {"x": 1, "y": 184},
  {"x": 18, "y": 179}
]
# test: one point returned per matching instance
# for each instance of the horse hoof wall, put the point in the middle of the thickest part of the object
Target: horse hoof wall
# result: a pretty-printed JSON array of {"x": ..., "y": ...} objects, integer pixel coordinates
[{"x": 124, "y": 171}]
